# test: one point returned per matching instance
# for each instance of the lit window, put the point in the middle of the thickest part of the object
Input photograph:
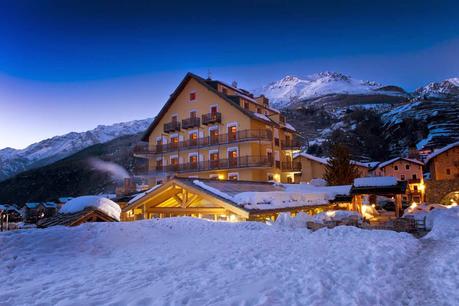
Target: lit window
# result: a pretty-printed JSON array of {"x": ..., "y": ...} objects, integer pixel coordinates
[{"x": 233, "y": 176}]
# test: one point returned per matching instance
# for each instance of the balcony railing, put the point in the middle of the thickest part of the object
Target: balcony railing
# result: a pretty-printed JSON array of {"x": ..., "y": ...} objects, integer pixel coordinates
[
  {"x": 293, "y": 144},
  {"x": 414, "y": 181},
  {"x": 239, "y": 136},
  {"x": 291, "y": 166},
  {"x": 191, "y": 123},
  {"x": 219, "y": 164},
  {"x": 211, "y": 118},
  {"x": 171, "y": 127}
]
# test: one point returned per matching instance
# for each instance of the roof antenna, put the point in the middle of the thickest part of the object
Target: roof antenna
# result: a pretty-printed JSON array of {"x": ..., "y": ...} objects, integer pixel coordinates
[{"x": 209, "y": 74}]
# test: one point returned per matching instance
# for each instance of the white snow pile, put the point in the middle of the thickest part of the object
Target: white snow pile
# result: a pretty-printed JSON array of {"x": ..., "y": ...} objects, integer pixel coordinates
[
  {"x": 375, "y": 181},
  {"x": 102, "y": 204},
  {"x": 444, "y": 223},
  {"x": 299, "y": 221},
  {"x": 318, "y": 182},
  {"x": 336, "y": 215},
  {"x": 184, "y": 261}
]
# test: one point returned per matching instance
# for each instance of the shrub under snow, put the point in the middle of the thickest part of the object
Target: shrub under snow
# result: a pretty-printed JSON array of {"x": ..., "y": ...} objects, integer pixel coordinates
[{"x": 102, "y": 204}]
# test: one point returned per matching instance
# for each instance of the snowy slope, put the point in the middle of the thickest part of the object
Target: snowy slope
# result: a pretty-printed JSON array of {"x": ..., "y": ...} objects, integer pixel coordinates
[
  {"x": 183, "y": 261},
  {"x": 292, "y": 89},
  {"x": 13, "y": 161}
]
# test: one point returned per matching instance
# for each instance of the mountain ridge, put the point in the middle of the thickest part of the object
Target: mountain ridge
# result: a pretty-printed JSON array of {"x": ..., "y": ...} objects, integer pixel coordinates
[{"x": 49, "y": 150}]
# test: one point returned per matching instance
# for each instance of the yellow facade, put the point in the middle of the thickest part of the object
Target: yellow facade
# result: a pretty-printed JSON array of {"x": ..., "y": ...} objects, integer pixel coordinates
[{"x": 211, "y": 130}]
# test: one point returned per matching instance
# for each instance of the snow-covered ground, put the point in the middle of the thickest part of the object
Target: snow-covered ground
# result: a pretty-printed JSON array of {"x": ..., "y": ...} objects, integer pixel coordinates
[{"x": 184, "y": 261}]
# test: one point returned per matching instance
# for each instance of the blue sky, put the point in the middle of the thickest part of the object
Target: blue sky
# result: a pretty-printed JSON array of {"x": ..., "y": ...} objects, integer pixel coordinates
[{"x": 71, "y": 65}]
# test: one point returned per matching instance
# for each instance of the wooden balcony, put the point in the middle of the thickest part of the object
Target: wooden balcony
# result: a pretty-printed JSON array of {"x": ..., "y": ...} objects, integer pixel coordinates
[
  {"x": 290, "y": 166},
  {"x": 293, "y": 144},
  {"x": 220, "y": 164},
  {"x": 170, "y": 127},
  {"x": 211, "y": 118},
  {"x": 142, "y": 150},
  {"x": 190, "y": 123}
]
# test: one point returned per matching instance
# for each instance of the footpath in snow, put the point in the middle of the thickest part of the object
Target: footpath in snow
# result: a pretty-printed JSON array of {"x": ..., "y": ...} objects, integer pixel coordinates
[{"x": 195, "y": 262}]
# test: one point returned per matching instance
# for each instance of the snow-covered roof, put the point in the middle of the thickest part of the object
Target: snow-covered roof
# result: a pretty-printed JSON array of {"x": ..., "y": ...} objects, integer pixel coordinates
[
  {"x": 321, "y": 160},
  {"x": 65, "y": 199},
  {"x": 101, "y": 204},
  {"x": 440, "y": 151},
  {"x": 273, "y": 196},
  {"x": 32, "y": 205},
  {"x": 375, "y": 181},
  {"x": 142, "y": 194},
  {"x": 388, "y": 162},
  {"x": 49, "y": 205}
]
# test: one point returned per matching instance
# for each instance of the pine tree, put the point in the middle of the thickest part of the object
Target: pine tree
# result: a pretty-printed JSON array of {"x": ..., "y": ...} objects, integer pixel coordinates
[{"x": 340, "y": 170}]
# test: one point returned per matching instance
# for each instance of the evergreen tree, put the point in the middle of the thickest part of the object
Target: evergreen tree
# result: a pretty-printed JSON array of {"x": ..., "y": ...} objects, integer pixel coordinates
[{"x": 340, "y": 170}]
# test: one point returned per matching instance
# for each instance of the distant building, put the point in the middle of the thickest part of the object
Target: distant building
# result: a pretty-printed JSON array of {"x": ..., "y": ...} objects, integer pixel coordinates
[{"x": 404, "y": 169}]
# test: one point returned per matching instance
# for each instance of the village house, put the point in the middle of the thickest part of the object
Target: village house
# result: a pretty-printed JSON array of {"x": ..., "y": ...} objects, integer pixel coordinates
[
  {"x": 443, "y": 165},
  {"x": 209, "y": 129},
  {"x": 34, "y": 211},
  {"x": 313, "y": 167},
  {"x": 404, "y": 169}
]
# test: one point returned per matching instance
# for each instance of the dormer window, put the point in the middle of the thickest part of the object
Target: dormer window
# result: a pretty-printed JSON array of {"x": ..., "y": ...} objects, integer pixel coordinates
[
  {"x": 407, "y": 167},
  {"x": 396, "y": 167},
  {"x": 192, "y": 96}
]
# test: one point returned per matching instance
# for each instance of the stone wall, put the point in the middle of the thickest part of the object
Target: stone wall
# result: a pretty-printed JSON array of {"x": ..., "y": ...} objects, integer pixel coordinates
[{"x": 437, "y": 190}]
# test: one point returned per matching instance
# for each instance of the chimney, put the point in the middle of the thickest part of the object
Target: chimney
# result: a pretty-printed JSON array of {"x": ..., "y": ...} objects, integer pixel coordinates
[
  {"x": 262, "y": 100},
  {"x": 234, "y": 84},
  {"x": 127, "y": 188}
]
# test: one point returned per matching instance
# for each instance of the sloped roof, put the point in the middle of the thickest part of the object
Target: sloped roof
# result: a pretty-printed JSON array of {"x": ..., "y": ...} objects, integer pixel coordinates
[
  {"x": 391, "y": 161},
  {"x": 441, "y": 151},
  {"x": 206, "y": 84},
  {"x": 75, "y": 218},
  {"x": 312, "y": 157}
]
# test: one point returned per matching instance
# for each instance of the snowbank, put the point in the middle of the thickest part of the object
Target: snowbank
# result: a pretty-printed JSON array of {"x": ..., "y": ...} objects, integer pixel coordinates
[
  {"x": 375, "y": 181},
  {"x": 102, "y": 204},
  {"x": 444, "y": 223},
  {"x": 336, "y": 215},
  {"x": 299, "y": 221},
  {"x": 184, "y": 261}
]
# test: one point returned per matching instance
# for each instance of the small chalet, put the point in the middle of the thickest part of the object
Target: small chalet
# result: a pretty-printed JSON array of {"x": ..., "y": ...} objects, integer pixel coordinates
[
  {"x": 229, "y": 200},
  {"x": 84, "y": 209}
]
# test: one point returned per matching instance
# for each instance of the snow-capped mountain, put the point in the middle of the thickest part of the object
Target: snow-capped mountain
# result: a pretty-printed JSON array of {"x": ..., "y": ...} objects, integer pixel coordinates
[
  {"x": 444, "y": 89},
  {"x": 290, "y": 90},
  {"x": 13, "y": 161}
]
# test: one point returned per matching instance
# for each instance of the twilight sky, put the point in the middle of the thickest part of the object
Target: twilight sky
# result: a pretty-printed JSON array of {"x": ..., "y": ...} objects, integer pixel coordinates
[{"x": 71, "y": 65}]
